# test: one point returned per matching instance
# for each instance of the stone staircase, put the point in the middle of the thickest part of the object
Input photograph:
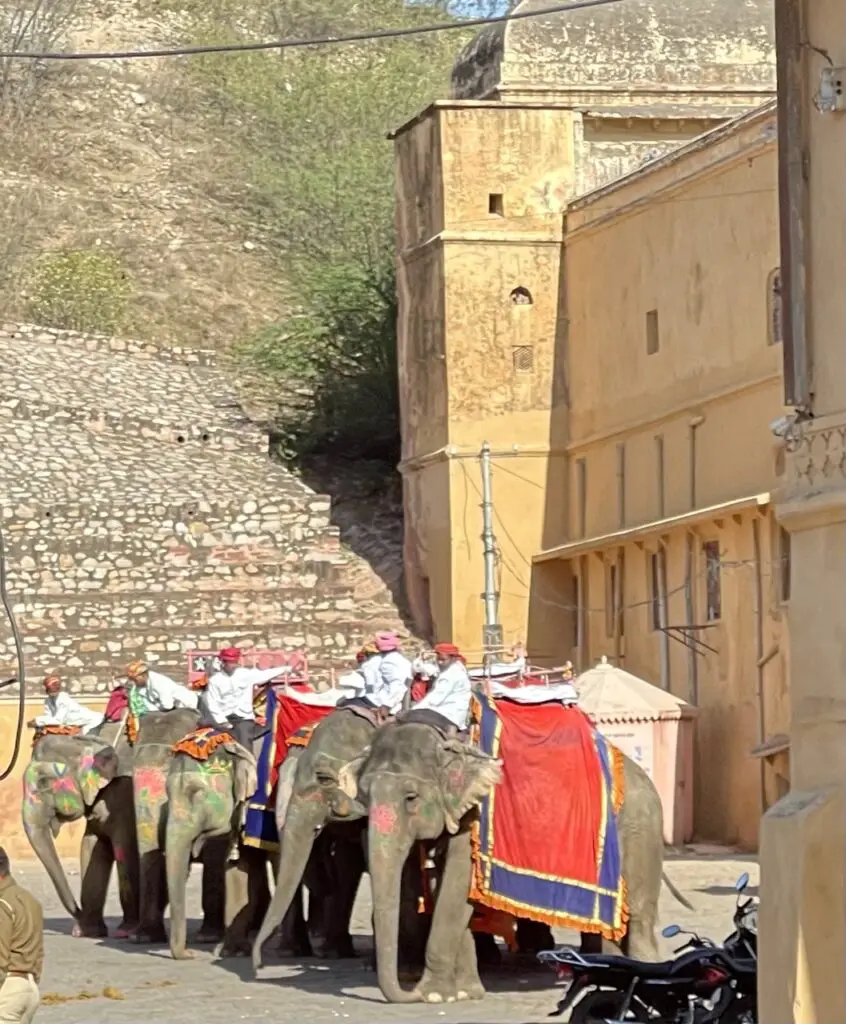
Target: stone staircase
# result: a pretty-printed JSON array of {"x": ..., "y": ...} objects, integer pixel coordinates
[{"x": 143, "y": 517}]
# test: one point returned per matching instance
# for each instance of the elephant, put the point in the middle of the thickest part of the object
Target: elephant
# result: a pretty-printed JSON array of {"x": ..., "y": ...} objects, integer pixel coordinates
[
  {"x": 157, "y": 734},
  {"x": 312, "y": 801},
  {"x": 204, "y": 802},
  {"x": 74, "y": 777},
  {"x": 418, "y": 785}
]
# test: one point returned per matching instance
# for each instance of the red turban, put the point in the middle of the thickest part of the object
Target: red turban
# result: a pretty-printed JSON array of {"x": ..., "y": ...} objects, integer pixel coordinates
[
  {"x": 448, "y": 651},
  {"x": 230, "y": 654}
]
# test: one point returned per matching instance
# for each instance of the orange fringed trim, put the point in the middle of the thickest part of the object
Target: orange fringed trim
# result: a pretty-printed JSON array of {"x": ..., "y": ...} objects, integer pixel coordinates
[
  {"x": 202, "y": 744},
  {"x": 301, "y": 737},
  {"x": 200, "y": 683},
  {"x": 495, "y": 922},
  {"x": 618, "y": 778},
  {"x": 131, "y": 729},
  {"x": 55, "y": 730}
]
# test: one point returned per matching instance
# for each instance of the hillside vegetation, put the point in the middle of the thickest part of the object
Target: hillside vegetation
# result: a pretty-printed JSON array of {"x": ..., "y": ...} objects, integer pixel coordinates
[{"x": 243, "y": 202}]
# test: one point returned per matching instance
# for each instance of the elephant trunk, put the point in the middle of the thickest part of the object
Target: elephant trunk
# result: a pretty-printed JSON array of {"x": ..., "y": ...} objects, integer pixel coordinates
[
  {"x": 302, "y": 822},
  {"x": 386, "y": 857},
  {"x": 178, "y": 862},
  {"x": 41, "y": 840}
]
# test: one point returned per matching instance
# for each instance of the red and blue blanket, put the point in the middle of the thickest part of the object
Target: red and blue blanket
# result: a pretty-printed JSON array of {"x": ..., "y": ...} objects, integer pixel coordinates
[
  {"x": 546, "y": 845},
  {"x": 286, "y": 716}
]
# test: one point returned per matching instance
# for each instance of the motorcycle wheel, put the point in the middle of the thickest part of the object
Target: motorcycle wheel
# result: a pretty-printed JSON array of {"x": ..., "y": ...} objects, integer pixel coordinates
[{"x": 597, "y": 1007}]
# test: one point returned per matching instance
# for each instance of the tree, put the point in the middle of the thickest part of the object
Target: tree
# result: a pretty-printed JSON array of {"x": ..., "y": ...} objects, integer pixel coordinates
[{"x": 310, "y": 128}]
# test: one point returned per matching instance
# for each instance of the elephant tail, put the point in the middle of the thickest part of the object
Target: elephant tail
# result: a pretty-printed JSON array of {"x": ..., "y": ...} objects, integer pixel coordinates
[{"x": 676, "y": 892}]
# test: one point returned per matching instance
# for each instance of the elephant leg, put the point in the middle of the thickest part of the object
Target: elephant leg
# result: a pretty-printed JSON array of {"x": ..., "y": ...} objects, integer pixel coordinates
[
  {"x": 348, "y": 867},
  {"x": 125, "y": 850},
  {"x": 214, "y": 857},
  {"x": 97, "y": 857},
  {"x": 246, "y": 888},
  {"x": 153, "y": 897},
  {"x": 450, "y": 921},
  {"x": 468, "y": 984},
  {"x": 294, "y": 940}
]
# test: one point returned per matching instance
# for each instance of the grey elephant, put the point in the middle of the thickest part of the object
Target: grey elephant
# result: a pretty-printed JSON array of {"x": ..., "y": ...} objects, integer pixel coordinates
[
  {"x": 70, "y": 778},
  {"x": 417, "y": 785},
  {"x": 157, "y": 734},
  {"x": 316, "y": 802}
]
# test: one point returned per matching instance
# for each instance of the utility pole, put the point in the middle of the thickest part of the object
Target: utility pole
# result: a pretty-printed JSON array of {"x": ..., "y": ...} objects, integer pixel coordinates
[{"x": 492, "y": 631}]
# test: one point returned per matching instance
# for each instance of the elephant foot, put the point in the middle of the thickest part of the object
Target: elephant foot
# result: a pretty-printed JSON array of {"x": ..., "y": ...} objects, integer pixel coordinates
[
  {"x": 230, "y": 948},
  {"x": 125, "y": 930},
  {"x": 435, "y": 990},
  {"x": 182, "y": 954},
  {"x": 90, "y": 931},
  {"x": 341, "y": 950},
  {"x": 207, "y": 936},
  {"x": 474, "y": 992},
  {"x": 149, "y": 937}
]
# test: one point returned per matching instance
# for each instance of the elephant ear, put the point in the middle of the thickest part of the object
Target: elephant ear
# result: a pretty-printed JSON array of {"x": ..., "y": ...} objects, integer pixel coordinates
[
  {"x": 349, "y": 774},
  {"x": 96, "y": 770},
  {"x": 466, "y": 775}
]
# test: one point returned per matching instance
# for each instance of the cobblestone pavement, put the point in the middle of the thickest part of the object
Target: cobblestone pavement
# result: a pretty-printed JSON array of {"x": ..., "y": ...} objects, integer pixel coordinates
[{"x": 145, "y": 985}]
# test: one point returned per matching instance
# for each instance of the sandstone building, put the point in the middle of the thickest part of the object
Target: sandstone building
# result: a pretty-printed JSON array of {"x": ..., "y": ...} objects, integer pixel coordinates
[{"x": 588, "y": 280}]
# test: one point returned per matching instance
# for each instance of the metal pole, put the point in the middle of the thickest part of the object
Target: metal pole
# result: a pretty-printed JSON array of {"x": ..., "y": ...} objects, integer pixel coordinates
[{"x": 492, "y": 632}]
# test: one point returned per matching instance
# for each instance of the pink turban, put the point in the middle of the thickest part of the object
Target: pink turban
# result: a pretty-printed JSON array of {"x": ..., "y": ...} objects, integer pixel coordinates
[{"x": 386, "y": 642}]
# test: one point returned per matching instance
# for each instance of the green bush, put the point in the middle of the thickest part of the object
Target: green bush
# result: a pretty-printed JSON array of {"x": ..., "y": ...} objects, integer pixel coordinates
[{"x": 79, "y": 290}]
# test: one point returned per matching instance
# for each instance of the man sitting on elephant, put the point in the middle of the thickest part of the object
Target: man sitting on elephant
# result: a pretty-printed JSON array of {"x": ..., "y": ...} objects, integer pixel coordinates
[
  {"x": 152, "y": 691},
  {"x": 387, "y": 676},
  {"x": 446, "y": 706},
  {"x": 229, "y": 695},
  {"x": 60, "y": 709}
]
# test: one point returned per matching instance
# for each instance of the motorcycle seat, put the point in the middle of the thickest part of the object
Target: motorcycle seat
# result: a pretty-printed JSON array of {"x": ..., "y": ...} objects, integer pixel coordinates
[{"x": 645, "y": 968}]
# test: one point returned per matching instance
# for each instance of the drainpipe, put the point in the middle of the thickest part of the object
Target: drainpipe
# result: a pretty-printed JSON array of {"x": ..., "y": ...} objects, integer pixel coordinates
[
  {"x": 695, "y": 423},
  {"x": 760, "y": 660},
  {"x": 662, "y": 616},
  {"x": 492, "y": 633}
]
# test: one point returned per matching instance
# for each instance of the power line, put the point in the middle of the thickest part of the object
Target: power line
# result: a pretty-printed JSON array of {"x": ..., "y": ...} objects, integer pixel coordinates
[{"x": 290, "y": 44}]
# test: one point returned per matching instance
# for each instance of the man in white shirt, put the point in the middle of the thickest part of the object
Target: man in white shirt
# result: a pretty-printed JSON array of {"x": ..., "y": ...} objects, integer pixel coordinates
[
  {"x": 447, "y": 704},
  {"x": 153, "y": 691},
  {"x": 229, "y": 695},
  {"x": 61, "y": 709},
  {"x": 387, "y": 675}
]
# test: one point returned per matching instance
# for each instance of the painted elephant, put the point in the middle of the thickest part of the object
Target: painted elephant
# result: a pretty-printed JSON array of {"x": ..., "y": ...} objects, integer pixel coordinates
[
  {"x": 417, "y": 785},
  {"x": 316, "y": 802},
  {"x": 157, "y": 733},
  {"x": 205, "y": 800},
  {"x": 73, "y": 777}
]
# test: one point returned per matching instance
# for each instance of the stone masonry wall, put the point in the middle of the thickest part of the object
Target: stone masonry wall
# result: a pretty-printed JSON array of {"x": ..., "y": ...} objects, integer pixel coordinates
[{"x": 143, "y": 517}]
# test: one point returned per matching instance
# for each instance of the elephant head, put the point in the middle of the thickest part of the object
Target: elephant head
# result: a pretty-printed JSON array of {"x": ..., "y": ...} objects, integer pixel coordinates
[
  {"x": 61, "y": 784},
  {"x": 416, "y": 786}
]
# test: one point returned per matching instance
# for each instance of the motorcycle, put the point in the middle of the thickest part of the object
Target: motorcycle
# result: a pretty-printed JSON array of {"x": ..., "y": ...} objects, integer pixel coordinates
[{"x": 704, "y": 984}]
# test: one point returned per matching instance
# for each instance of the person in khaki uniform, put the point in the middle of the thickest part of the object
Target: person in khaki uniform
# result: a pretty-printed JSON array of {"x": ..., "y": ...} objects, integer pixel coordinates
[{"x": 21, "y": 948}]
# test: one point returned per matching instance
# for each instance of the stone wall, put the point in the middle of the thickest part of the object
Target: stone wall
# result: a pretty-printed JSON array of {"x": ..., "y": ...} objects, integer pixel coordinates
[{"x": 143, "y": 517}]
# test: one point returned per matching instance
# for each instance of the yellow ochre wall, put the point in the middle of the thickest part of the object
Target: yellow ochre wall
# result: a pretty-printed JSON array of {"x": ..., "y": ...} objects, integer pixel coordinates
[{"x": 695, "y": 238}]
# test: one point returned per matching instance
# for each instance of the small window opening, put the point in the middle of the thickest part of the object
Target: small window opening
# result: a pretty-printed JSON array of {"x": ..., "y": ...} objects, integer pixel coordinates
[
  {"x": 521, "y": 297},
  {"x": 496, "y": 204},
  {"x": 653, "y": 341},
  {"x": 181, "y": 439},
  {"x": 713, "y": 582},
  {"x": 524, "y": 359}
]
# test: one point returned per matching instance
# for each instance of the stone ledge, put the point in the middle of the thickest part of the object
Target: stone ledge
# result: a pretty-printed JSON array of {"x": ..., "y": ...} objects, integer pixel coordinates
[
  {"x": 102, "y": 422},
  {"x": 103, "y": 343}
]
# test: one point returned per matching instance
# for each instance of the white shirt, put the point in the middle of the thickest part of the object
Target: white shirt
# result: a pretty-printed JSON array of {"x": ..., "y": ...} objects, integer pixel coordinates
[
  {"x": 64, "y": 710},
  {"x": 386, "y": 679},
  {"x": 352, "y": 683},
  {"x": 163, "y": 694},
  {"x": 450, "y": 695},
  {"x": 232, "y": 695}
]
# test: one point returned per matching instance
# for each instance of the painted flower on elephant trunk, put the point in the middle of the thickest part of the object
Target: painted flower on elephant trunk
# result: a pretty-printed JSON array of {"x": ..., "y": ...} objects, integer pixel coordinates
[{"x": 383, "y": 819}]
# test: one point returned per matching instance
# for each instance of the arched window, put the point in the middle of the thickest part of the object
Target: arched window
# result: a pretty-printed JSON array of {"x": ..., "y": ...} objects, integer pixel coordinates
[{"x": 521, "y": 296}]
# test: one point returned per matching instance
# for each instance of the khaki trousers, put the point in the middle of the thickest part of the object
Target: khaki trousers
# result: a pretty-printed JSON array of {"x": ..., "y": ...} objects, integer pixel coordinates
[{"x": 19, "y": 999}]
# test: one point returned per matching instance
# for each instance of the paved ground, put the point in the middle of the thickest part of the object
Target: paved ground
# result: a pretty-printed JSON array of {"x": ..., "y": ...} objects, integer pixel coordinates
[{"x": 89, "y": 981}]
